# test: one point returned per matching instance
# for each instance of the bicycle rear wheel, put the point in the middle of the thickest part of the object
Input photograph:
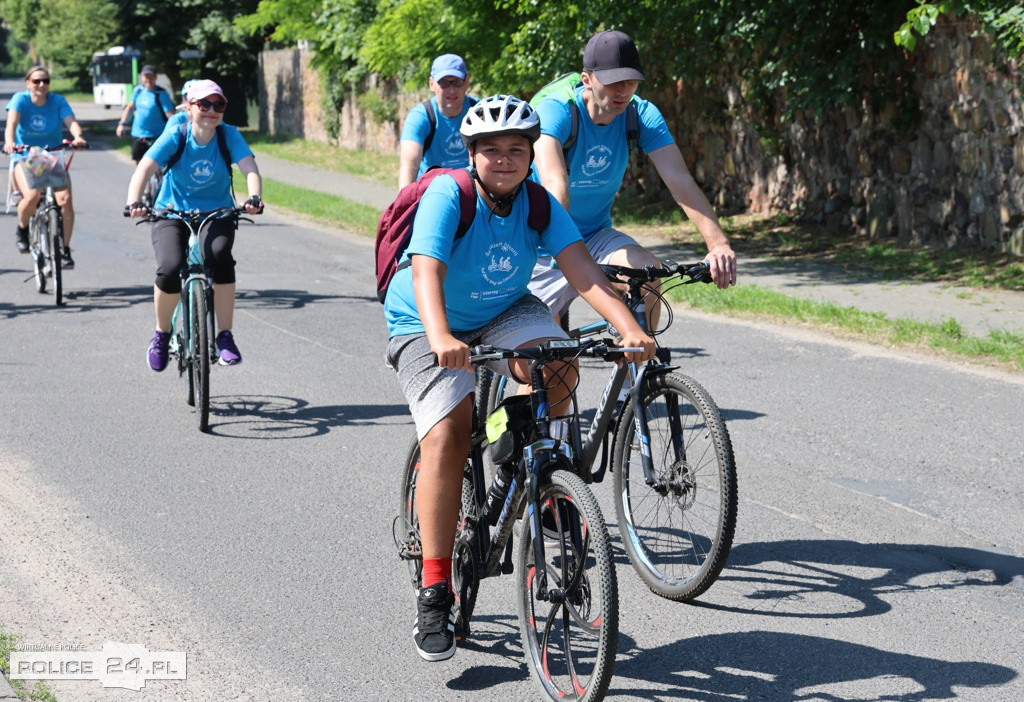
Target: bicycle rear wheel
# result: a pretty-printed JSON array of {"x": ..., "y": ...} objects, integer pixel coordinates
[
  {"x": 678, "y": 533},
  {"x": 569, "y": 616},
  {"x": 199, "y": 348},
  {"x": 55, "y": 227}
]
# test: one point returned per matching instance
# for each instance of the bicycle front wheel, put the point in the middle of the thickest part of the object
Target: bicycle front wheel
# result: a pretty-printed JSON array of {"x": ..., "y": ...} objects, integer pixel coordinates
[
  {"x": 199, "y": 350},
  {"x": 568, "y": 611},
  {"x": 38, "y": 246},
  {"x": 677, "y": 533},
  {"x": 56, "y": 238}
]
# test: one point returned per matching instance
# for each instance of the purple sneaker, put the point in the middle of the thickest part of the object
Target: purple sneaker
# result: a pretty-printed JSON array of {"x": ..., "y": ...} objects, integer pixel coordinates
[
  {"x": 226, "y": 349},
  {"x": 158, "y": 350}
]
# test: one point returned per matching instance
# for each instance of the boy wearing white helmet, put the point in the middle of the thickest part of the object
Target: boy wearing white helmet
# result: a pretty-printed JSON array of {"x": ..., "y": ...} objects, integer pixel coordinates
[{"x": 468, "y": 290}]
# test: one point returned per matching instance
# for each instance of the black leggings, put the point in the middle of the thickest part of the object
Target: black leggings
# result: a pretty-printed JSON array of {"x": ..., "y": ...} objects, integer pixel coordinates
[{"x": 170, "y": 241}]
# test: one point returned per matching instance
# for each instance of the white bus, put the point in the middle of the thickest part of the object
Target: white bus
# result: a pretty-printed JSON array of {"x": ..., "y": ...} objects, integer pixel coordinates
[{"x": 114, "y": 73}]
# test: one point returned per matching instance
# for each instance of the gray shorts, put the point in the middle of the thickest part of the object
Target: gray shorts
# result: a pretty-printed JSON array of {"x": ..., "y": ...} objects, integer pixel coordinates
[
  {"x": 432, "y": 391},
  {"x": 550, "y": 285}
]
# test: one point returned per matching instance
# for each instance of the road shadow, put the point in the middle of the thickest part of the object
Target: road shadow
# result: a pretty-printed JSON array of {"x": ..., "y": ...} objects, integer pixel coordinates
[
  {"x": 287, "y": 299},
  {"x": 761, "y": 665},
  {"x": 496, "y": 635},
  {"x": 274, "y": 417},
  {"x": 835, "y": 579},
  {"x": 85, "y": 300}
]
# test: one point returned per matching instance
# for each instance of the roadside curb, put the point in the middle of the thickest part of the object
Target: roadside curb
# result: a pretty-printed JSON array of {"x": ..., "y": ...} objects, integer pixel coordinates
[{"x": 6, "y": 691}]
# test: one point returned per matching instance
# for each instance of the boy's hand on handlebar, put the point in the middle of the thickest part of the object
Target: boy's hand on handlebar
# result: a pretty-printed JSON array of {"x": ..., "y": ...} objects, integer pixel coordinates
[
  {"x": 638, "y": 340},
  {"x": 722, "y": 262},
  {"x": 452, "y": 353}
]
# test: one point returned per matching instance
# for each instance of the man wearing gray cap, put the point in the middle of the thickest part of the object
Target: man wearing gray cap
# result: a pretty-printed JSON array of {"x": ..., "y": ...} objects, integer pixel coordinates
[
  {"x": 430, "y": 135},
  {"x": 587, "y": 177},
  {"x": 152, "y": 105}
]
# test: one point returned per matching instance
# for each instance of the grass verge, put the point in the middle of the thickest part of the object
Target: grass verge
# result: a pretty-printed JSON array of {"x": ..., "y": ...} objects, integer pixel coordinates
[
  {"x": 382, "y": 168},
  {"x": 39, "y": 692},
  {"x": 1000, "y": 348}
]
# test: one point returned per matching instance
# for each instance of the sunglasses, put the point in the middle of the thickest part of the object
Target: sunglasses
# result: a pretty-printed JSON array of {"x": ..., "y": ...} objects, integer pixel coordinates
[
  {"x": 41, "y": 81},
  {"x": 446, "y": 83},
  {"x": 217, "y": 106}
]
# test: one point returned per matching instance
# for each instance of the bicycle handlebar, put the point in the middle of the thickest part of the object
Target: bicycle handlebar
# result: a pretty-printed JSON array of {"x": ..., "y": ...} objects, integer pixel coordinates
[
  {"x": 553, "y": 350},
  {"x": 66, "y": 144},
  {"x": 696, "y": 272},
  {"x": 188, "y": 215}
]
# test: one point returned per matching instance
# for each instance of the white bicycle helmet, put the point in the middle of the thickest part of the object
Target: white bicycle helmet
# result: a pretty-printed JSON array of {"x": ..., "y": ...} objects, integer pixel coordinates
[{"x": 500, "y": 114}]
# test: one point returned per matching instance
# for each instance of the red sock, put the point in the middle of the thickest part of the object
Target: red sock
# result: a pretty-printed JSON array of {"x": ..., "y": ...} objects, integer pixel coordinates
[{"x": 436, "y": 570}]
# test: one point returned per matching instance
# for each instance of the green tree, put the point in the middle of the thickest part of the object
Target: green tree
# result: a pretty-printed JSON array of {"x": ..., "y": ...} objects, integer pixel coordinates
[{"x": 1004, "y": 19}]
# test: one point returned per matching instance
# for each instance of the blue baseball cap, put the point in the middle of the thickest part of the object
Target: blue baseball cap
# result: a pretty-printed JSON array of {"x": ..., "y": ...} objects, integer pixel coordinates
[{"x": 448, "y": 65}]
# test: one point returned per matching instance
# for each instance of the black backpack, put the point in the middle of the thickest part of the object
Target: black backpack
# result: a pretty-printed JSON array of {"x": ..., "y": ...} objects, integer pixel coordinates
[
  {"x": 222, "y": 144},
  {"x": 432, "y": 119}
]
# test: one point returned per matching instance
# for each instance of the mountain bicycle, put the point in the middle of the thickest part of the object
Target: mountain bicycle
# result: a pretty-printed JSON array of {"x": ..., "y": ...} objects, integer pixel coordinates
[
  {"x": 192, "y": 324},
  {"x": 567, "y": 593},
  {"x": 46, "y": 169},
  {"x": 671, "y": 456}
]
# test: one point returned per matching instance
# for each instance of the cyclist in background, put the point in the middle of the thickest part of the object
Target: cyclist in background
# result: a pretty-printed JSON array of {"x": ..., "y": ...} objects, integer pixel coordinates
[
  {"x": 200, "y": 180},
  {"x": 449, "y": 81},
  {"x": 587, "y": 184},
  {"x": 152, "y": 106},
  {"x": 36, "y": 117},
  {"x": 470, "y": 290}
]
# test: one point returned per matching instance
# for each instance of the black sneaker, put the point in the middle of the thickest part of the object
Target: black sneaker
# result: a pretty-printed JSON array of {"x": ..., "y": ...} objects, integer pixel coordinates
[
  {"x": 434, "y": 628},
  {"x": 22, "y": 235},
  {"x": 67, "y": 263}
]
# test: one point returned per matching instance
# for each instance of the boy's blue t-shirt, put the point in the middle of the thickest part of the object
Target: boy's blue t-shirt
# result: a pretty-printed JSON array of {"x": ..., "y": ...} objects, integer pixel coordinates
[
  {"x": 39, "y": 126},
  {"x": 150, "y": 108},
  {"x": 447, "y": 148},
  {"x": 199, "y": 180},
  {"x": 488, "y": 269},
  {"x": 598, "y": 160}
]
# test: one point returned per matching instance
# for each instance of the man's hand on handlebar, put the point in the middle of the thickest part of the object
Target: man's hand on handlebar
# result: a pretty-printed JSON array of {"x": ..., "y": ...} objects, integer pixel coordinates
[
  {"x": 451, "y": 353},
  {"x": 722, "y": 262},
  {"x": 637, "y": 340}
]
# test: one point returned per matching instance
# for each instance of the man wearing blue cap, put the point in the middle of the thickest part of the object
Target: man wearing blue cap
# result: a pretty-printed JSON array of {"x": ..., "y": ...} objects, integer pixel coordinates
[
  {"x": 586, "y": 177},
  {"x": 430, "y": 135},
  {"x": 152, "y": 105}
]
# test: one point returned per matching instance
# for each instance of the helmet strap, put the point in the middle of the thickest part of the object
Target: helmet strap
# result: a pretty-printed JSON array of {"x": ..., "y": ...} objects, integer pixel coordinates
[{"x": 500, "y": 204}]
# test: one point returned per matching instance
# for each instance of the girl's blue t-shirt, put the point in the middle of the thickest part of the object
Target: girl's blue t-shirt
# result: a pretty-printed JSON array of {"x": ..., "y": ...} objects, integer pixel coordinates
[
  {"x": 39, "y": 126},
  {"x": 447, "y": 148},
  {"x": 598, "y": 160},
  {"x": 488, "y": 269},
  {"x": 199, "y": 180},
  {"x": 151, "y": 106}
]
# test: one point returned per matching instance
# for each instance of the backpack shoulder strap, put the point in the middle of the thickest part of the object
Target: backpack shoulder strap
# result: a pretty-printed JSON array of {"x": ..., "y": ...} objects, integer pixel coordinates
[
  {"x": 467, "y": 200},
  {"x": 180, "y": 149},
  {"x": 574, "y": 128},
  {"x": 159, "y": 107},
  {"x": 225, "y": 154},
  {"x": 540, "y": 207},
  {"x": 432, "y": 119},
  {"x": 633, "y": 132}
]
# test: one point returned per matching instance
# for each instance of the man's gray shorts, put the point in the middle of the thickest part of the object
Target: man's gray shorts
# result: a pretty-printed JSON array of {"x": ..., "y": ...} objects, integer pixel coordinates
[
  {"x": 550, "y": 285},
  {"x": 433, "y": 392}
]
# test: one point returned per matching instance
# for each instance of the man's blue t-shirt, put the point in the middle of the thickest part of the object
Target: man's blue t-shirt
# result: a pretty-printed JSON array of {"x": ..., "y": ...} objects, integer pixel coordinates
[
  {"x": 599, "y": 158},
  {"x": 151, "y": 106},
  {"x": 447, "y": 148},
  {"x": 199, "y": 180},
  {"x": 488, "y": 269},
  {"x": 39, "y": 126}
]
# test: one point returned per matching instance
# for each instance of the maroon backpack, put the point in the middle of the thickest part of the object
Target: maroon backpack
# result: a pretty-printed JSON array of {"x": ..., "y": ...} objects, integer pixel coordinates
[{"x": 394, "y": 230}]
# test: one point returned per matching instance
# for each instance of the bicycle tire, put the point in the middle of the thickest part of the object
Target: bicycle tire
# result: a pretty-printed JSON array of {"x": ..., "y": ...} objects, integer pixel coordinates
[
  {"x": 569, "y": 662},
  {"x": 55, "y": 229},
  {"x": 678, "y": 542},
  {"x": 37, "y": 245},
  {"x": 409, "y": 537},
  {"x": 199, "y": 338}
]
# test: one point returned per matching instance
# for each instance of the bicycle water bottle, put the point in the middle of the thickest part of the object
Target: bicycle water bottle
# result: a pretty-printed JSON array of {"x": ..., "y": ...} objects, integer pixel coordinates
[{"x": 497, "y": 493}]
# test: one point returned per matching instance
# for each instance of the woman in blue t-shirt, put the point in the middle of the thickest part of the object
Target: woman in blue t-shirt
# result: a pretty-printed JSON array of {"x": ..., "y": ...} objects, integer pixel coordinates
[
  {"x": 469, "y": 290},
  {"x": 200, "y": 180},
  {"x": 36, "y": 117}
]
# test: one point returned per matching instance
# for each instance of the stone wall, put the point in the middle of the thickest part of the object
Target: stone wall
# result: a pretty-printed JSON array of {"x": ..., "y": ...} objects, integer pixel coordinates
[{"x": 956, "y": 178}]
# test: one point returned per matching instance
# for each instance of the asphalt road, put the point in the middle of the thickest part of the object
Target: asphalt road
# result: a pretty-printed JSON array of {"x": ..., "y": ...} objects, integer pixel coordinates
[{"x": 879, "y": 552}]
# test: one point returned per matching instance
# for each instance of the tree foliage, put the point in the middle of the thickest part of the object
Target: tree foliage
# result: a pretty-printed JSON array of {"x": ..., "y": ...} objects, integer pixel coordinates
[{"x": 1004, "y": 19}]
